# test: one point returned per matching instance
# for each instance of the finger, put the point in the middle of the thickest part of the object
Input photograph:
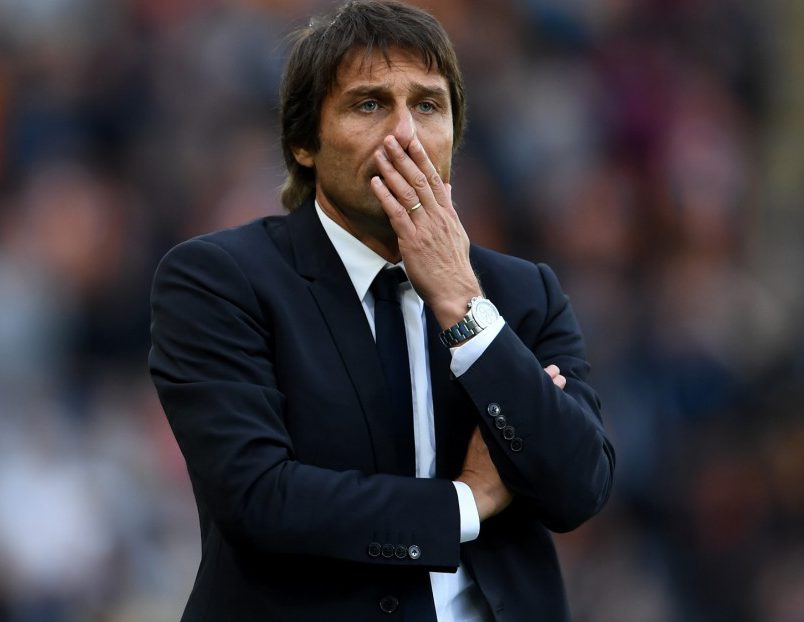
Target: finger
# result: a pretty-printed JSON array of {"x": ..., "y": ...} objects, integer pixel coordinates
[
  {"x": 555, "y": 375},
  {"x": 404, "y": 194},
  {"x": 398, "y": 216},
  {"x": 423, "y": 162},
  {"x": 413, "y": 184}
]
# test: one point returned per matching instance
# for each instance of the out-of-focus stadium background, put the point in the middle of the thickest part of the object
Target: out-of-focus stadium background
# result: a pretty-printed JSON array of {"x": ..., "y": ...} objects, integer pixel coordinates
[{"x": 651, "y": 151}]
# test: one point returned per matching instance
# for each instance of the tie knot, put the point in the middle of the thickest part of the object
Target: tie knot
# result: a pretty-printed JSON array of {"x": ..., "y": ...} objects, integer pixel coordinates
[{"x": 386, "y": 284}]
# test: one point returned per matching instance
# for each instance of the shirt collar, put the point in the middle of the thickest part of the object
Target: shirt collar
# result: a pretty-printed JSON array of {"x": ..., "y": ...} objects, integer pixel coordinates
[{"x": 361, "y": 263}]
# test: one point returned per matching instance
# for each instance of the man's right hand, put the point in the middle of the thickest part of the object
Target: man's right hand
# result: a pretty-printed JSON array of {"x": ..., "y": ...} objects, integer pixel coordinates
[{"x": 480, "y": 474}]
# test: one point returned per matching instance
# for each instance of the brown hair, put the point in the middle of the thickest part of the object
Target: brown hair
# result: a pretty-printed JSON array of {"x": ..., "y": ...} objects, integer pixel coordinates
[{"x": 313, "y": 64}]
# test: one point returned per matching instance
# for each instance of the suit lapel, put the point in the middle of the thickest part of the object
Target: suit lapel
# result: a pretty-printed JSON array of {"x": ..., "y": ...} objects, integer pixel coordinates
[{"x": 343, "y": 313}]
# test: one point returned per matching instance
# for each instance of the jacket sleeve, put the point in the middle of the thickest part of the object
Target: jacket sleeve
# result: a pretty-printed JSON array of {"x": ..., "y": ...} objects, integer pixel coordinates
[
  {"x": 548, "y": 444},
  {"x": 212, "y": 364}
]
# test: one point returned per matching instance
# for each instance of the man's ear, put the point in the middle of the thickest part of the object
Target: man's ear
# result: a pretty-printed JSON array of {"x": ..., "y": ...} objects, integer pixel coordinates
[{"x": 304, "y": 157}]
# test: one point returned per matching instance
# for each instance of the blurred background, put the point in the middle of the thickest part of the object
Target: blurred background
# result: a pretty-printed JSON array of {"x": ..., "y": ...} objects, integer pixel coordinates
[{"x": 652, "y": 151}]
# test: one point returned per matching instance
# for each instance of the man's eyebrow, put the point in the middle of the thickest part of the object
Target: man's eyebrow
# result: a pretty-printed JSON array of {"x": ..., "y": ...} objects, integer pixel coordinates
[
  {"x": 367, "y": 89},
  {"x": 422, "y": 90}
]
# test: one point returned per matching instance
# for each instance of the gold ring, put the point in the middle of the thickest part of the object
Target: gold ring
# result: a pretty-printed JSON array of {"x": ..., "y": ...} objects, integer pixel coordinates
[{"x": 414, "y": 208}]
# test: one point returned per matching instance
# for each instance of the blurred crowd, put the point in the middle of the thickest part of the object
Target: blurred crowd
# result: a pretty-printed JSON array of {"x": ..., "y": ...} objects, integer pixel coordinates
[{"x": 649, "y": 150}]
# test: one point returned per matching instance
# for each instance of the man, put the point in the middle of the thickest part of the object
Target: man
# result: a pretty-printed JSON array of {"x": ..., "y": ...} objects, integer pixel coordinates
[{"x": 333, "y": 482}]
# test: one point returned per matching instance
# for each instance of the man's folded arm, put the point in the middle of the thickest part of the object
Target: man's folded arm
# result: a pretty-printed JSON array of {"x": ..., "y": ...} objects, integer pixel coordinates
[
  {"x": 548, "y": 444},
  {"x": 213, "y": 369}
]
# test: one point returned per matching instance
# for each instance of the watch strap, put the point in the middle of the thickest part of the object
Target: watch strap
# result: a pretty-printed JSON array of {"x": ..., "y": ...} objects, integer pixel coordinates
[
  {"x": 460, "y": 332},
  {"x": 471, "y": 324}
]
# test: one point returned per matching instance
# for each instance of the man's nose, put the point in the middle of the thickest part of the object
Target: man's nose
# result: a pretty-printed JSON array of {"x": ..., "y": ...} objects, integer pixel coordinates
[{"x": 404, "y": 128}]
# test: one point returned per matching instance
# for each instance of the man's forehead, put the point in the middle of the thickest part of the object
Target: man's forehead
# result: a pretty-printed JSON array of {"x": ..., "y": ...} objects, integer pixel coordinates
[{"x": 361, "y": 64}]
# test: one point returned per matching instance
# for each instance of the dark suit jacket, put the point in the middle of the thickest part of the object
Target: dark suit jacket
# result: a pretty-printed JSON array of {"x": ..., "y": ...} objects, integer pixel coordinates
[{"x": 269, "y": 376}]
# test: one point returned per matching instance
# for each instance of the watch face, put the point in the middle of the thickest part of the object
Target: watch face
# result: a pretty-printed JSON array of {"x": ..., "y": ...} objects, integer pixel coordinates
[{"x": 484, "y": 313}]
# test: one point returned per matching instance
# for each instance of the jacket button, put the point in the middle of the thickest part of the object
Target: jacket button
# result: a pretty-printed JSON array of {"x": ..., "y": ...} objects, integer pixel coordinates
[
  {"x": 516, "y": 444},
  {"x": 500, "y": 422},
  {"x": 493, "y": 409},
  {"x": 414, "y": 551},
  {"x": 374, "y": 549},
  {"x": 509, "y": 432},
  {"x": 389, "y": 604},
  {"x": 401, "y": 551},
  {"x": 388, "y": 550}
]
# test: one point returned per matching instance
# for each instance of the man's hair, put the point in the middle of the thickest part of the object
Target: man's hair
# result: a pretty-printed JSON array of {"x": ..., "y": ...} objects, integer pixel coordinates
[{"x": 317, "y": 54}]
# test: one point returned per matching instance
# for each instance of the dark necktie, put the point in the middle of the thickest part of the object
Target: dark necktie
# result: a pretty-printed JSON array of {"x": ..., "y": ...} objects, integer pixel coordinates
[{"x": 392, "y": 346}]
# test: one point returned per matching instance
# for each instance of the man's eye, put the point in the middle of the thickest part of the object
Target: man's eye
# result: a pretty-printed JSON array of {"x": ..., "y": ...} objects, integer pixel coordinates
[
  {"x": 426, "y": 106},
  {"x": 370, "y": 105}
]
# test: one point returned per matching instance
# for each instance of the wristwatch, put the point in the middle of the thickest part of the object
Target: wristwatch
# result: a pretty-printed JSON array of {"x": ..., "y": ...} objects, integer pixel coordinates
[{"x": 482, "y": 314}]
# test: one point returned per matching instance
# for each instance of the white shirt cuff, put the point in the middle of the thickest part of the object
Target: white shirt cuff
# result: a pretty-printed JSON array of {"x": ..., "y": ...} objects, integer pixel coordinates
[
  {"x": 465, "y": 355},
  {"x": 470, "y": 519}
]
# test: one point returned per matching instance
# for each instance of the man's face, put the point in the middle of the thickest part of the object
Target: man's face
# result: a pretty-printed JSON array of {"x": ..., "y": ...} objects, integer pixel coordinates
[{"x": 370, "y": 100}]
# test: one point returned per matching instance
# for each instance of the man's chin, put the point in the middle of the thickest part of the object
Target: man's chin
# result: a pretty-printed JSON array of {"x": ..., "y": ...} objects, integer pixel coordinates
[
  {"x": 368, "y": 208},
  {"x": 371, "y": 218},
  {"x": 372, "y": 213}
]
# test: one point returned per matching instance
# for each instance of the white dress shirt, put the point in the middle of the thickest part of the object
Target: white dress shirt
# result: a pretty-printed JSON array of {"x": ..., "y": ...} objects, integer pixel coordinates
[{"x": 457, "y": 598}]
